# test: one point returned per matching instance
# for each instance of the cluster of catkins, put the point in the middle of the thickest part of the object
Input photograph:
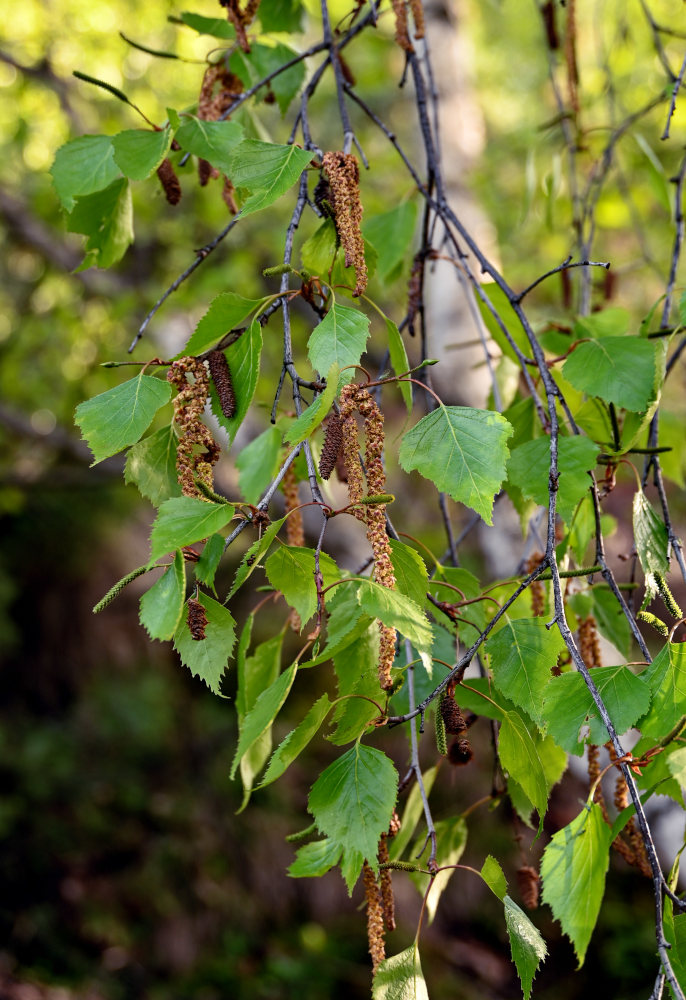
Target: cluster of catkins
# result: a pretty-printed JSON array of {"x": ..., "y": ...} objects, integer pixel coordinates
[{"x": 379, "y": 896}]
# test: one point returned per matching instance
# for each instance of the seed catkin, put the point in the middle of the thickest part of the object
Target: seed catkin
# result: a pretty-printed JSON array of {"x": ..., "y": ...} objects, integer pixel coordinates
[
  {"x": 169, "y": 181},
  {"x": 528, "y": 880},
  {"x": 197, "y": 619},
  {"x": 460, "y": 752},
  {"x": 333, "y": 441},
  {"x": 452, "y": 716},
  {"x": 221, "y": 376},
  {"x": 189, "y": 405}
]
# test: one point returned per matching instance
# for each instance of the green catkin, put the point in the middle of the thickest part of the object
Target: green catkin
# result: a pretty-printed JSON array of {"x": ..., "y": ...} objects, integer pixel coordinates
[
  {"x": 378, "y": 498},
  {"x": 654, "y": 621},
  {"x": 116, "y": 590},
  {"x": 401, "y": 866},
  {"x": 273, "y": 272},
  {"x": 667, "y": 596},
  {"x": 441, "y": 738},
  {"x": 293, "y": 838}
]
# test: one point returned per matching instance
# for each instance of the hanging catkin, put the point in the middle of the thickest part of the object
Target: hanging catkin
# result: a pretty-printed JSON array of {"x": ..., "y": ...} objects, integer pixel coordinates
[{"x": 221, "y": 376}]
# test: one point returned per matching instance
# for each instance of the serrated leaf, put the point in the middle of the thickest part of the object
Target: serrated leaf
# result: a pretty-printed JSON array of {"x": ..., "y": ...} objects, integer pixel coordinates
[
  {"x": 340, "y": 339},
  {"x": 568, "y": 705},
  {"x": 106, "y": 218},
  {"x": 451, "y": 840},
  {"x": 650, "y": 536},
  {"x": 137, "y": 152},
  {"x": 211, "y": 141},
  {"x": 529, "y": 470},
  {"x": 207, "y": 658},
  {"x": 391, "y": 235},
  {"x": 400, "y": 977},
  {"x": 161, "y": 606},
  {"x": 358, "y": 685},
  {"x": 493, "y": 876},
  {"x": 184, "y": 520},
  {"x": 527, "y": 946},
  {"x": 266, "y": 169},
  {"x": 612, "y": 322},
  {"x": 519, "y": 757},
  {"x": 315, "y": 859},
  {"x": 151, "y": 466},
  {"x": 226, "y": 312},
  {"x": 399, "y": 361},
  {"x": 253, "y": 66},
  {"x": 351, "y": 867},
  {"x": 243, "y": 358},
  {"x": 312, "y": 417},
  {"x": 409, "y": 569},
  {"x": 218, "y": 27},
  {"x": 209, "y": 560},
  {"x": 321, "y": 255},
  {"x": 251, "y": 559},
  {"x": 117, "y": 418},
  {"x": 397, "y": 611},
  {"x": 522, "y": 653},
  {"x": 573, "y": 870},
  {"x": 676, "y": 765},
  {"x": 463, "y": 451},
  {"x": 83, "y": 166},
  {"x": 258, "y": 463},
  {"x": 666, "y": 680},
  {"x": 261, "y": 716},
  {"x": 290, "y": 569},
  {"x": 281, "y": 15},
  {"x": 296, "y": 741},
  {"x": 554, "y": 761},
  {"x": 352, "y": 801},
  {"x": 256, "y": 672},
  {"x": 611, "y": 620},
  {"x": 620, "y": 370}
]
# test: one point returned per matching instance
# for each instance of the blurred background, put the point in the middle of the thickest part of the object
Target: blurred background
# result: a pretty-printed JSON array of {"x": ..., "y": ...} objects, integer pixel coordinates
[{"x": 125, "y": 871}]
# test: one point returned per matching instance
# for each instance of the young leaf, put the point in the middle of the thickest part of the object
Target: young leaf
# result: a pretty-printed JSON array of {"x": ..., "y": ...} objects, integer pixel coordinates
[
  {"x": 493, "y": 876},
  {"x": 356, "y": 674},
  {"x": 519, "y": 757},
  {"x": 620, "y": 370},
  {"x": 106, "y": 218},
  {"x": 650, "y": 536},
  {"x": 612, "y": 622},
  {"x": 226, "y": 312},
  {"x": 211, "y": 141},
  {"x": 184, "y": 520},
  {"x": 218, "y": 27},
  {"x": 290, "y": 569},
  {"x": 522, "y": 653},
  {"x": 527, "y": 946},
  {"x": 573, "y": 870},
  {"x": 261, "y": 716},
  {"x": 396, "y": 610},
  {"x": 266, "y": 169},
  {"x": 340, "y": 339},
  {"x": 391, "y": 235},
  {"x": 161, "y": 606},
  {"x": 151, "y": 465},
  {"x": 281, "y": 15},
  {"x": 400, "y": 977},
  {"x": 666, "y": 679},
  {"x": 353, "y": 799},
  {"x": 244, "y": 362},
  {"x": 503, "y": 307},
  {"x": 207, "y": 658},
  {"x": 251, "y": 559},
  {"x": 463, "y": 451},
  {"x": 258, "y": 463},
  {"x": 262, "y": 59},
  {"x": 529, "y": 470},
  {"x": 411, "y": 577},
  {"x": 399, "y": 361},
  {"x": 296, "y": 741},
  {"x": 83, "y": 166},
  {"x": 315, "y": 859},
  {"x": 117, "y": 418},
  {"x": 568, "y": 705},
  {"x": 257, "y": 672},
  {"x": 137, "y": 152},
  {"x": 209, "y": 560}
]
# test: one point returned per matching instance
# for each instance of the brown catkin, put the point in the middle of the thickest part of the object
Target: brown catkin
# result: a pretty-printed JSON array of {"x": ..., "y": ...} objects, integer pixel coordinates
[
  {"x": 460, "y": 752},
  {"x": 375, "y": 924},
  {"x": 452, "y": 716},
  {"x": 418, "y": 17},
  {"x": 386, "y": 886},
  {"x": 197, "y": 451},
  {"x": 593, "y": 761},
  {"x": 228, "y": 194},
  {"x": 402, "y": 36},
  {"x": 333, "y": 441},
  {"x": 529, "y": 881},
  {"x": 169, "y": 181},
  {"x": 197, "y": 619},
  {"x": 221, "y": 376},
  {"x": 395, "y": 824},
  {"x": 537, "y": 587},
  {"x": 589, "y": 643},
  {"x": 206, "y": 171},
  {"x": 343, "y": 172},
  {"x": 295, "y": 532}
]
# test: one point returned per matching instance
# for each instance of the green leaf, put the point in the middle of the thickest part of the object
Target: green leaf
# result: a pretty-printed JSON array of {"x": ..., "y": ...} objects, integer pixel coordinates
[
  {"x": 414, "y": 809},
  {"x": 527, "y": 946},
  {"x": 161, "y": 606},
  {"x": 666, "y": 680},
  {"x": 568, "y": 705},
  {"x": 184, "y": 520},
  {"x": 209, "y": 560},
  {"x": 281, "y": 15},
  {"x": 258, "y": 463},
  {"x": 218, "y": 27},
  {"x": 211, "y": 141},
  {"x": 83, "y": 166},
  {"x": 227, "y": 311},
  {"x": 676, "y": 765},
  {"x": 503, "y": 307},
  {"x": 311, "y": 418},
  {"x": 315, "y": 859},
  {"x": 356, "y": 674},
  {"x": 340, "y": 339},
  {"x": 391, "y": 235},
  {"x": 346, "y": 622},
  {"x": 522, "y": 653},
  {"x": 463, "y": 451},
  {"x": 351, "y": 866},
  {"x": 251, "y": 559},
  {"x": 399, "y": 361},
  {"x": 493, "y": 876},
  {"x": 106, "y": 218},
  {"x": 400, "y": 977},
  {"x": 451, "y": 840},
  {"x": 138, "y": 152},
  {"x": 290, "y": 569},
  {"x": 151, "y": 465},
  {"x": 117, "y": 418},
  {"x": 573, "y": 869},
  {"x": 207, "y": 658},
  {"x": 266, "y": 169},
  {"x": 243, "y": 358},
  {"x": 296, "y": 741},
  {"x": 620, "y": 370},
  {"x": 675, "y": 934},
  {"x": 256, "y": 672},
  {"x": 352, "y": 801},
  {"x": 253, "y": 66},
  {"x": 650, "y": 536},
  {"x": 397, "y": 611},
  {"x": 519, "y": 757},
  {"x": 321, "y": 255},
  {"x": 611, "y": 620},
  {"x": 613, "y": 322},
  {"x": 411, "y": 577},
  {"x": 529, "y": 470},
  {"x": 262, "y": 714}
]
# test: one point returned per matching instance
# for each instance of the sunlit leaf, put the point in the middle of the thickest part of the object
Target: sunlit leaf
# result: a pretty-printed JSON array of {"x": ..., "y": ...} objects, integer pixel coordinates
[{"x": 117, "y": 418}]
